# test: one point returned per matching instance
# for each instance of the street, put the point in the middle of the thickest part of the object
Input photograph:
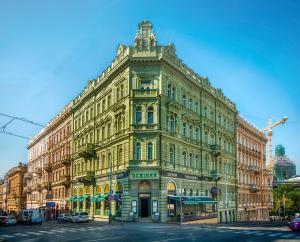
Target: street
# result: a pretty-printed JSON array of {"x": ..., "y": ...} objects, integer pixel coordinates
[{"x": 100, "y": 231}]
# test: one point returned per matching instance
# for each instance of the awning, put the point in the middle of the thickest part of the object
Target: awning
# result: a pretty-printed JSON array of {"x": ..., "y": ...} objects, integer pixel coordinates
[
  {"x": 193, "y": 199},
  {"x": 73, "y": 199},
  {"x": 83, "y": 198},
  {"x": 99, "y": 198}
]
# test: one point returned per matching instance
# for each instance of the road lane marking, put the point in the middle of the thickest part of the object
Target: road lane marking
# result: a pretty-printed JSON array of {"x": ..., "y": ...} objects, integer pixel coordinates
[
  {"x": 273, "y": 235},
  {"x": 108, "y": 238},
  {"x": 34, "y": 233},
  {"x": 7, "y": 236},
  {"x": 287, "y": 236},
  {"x": 167, "y": 239},
  {"x": 20, "y": 234}
]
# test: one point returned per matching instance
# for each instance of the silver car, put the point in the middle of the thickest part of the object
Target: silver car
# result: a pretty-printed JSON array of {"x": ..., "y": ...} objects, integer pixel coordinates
[{"x": 80, "y": 217}]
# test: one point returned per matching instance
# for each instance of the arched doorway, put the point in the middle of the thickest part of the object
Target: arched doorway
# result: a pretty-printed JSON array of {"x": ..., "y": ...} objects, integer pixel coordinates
[
  {"x": 118, "y": 198},
  {"x": 144, "y": 199},
  {"x": 171, "y": 189}
]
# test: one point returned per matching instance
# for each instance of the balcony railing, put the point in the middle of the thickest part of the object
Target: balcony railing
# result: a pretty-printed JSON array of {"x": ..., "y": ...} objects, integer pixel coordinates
[
  {"x": 253, "y": 169},
  {"x": 48, "y": 167},
  {"x": 143, "y": 163},
  {"x": 46, "y": 184},
  {"x": 85, "y": 177},
  {"x": 28, "y": 175},
  {"x": 38, "y": 171},
  {"x": 66, "y": 181},
  {"x": 144, "y": 126},
  {"x": 144, "y": 93},
  {"x": 66, "y": 160},
  {"x": 27, "y": 189},
  {"x": 254, "y": 188},
  {"x": 86, "y": 150}
]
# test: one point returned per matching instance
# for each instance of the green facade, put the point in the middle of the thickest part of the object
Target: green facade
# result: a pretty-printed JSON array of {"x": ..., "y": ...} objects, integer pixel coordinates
[{"x": 159, "y": 123}]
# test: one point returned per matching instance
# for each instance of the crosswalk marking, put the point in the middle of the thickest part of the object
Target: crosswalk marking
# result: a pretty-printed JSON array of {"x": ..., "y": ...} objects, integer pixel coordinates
[{"x": 276, "y": 234}]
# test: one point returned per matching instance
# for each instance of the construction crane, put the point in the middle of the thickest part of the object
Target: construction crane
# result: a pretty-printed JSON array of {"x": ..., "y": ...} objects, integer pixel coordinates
[{"x": 270, "y": 133}]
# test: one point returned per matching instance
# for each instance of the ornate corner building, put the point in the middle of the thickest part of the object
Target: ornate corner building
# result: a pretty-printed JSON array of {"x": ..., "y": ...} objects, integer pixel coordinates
[
  {"x": 168, "y": 136},
  {"x": 255, "y": 198}
]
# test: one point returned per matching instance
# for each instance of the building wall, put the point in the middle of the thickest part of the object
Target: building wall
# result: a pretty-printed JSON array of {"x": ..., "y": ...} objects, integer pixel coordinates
[
  {"x": 16, "y": 200},
  {"x": 111, "y": 123},
  {"x": 1, "y": 195},
  {"x": 57, "y": 177},
  {"x": 37, "y": 161},
  {"x": 254, "y": 178}
]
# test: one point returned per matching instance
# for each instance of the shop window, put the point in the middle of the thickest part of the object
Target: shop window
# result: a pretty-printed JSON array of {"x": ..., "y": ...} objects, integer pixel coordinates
[{"x": 106, "y": 189}]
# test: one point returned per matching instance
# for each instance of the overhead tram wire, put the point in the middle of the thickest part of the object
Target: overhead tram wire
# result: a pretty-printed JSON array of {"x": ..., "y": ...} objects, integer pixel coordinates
[
  {"x": 3, "y": 128},
  {"x": 22, "y": 119},
  {"x": 12, "y": 134}
]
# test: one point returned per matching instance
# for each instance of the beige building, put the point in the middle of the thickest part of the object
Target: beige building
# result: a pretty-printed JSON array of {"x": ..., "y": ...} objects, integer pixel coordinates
[
  {"x": 1, "y": 195},
  {"x": 35, "y": 177},
  {"x": 16, "y": 200},
  {"x": 254, "y": 179}
]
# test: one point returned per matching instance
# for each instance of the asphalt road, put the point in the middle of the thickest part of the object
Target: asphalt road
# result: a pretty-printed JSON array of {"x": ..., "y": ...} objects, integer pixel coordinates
[{"x": 135, "y": 232}]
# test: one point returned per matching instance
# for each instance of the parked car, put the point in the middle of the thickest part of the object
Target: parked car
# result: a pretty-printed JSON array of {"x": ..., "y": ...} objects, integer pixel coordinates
[
  {"x": 29, "y": 216},
  {"x": 36, "y": 217},
  {"x": 80, "y": 217},
  {"x": 294, "y": 224},
  {"x": 64, "y": 217},
  {"x": 8, "y": 220}
]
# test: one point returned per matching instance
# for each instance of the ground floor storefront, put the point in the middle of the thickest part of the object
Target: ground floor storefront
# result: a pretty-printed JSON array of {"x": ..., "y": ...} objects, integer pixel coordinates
[{"x": 151, "y": 195}]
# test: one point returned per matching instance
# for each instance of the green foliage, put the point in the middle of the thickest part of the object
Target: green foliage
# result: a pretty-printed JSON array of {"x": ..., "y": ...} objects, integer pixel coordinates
[{"x": 288, "y": 197}]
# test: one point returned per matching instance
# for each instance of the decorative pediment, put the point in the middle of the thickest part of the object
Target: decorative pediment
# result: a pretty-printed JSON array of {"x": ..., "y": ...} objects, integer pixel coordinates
[
  {"x": 119, "y": 108},
  {"x": 107, "y": 119},
  {"x": 174, "y": 106}
]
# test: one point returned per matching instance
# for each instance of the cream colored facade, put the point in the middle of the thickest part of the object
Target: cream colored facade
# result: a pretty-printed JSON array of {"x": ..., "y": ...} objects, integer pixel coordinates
[
  {"x": 36, "y": 175},
  {"x": 254, "y": 179}
]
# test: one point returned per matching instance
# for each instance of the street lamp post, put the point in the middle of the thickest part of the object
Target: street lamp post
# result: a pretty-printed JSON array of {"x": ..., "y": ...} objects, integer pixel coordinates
[{"x": 110, "y": 190}]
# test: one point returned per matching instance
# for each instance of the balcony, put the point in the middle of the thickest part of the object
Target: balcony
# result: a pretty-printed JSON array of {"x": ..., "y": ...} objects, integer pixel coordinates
[
  {"x": 85, "y": 177},
  {"x": 254, "y": 188},
  {"x": 37, "y": 187},
  {"x": 254, "y": 169},
  {"x": 48, "y": 167},
  {"x": 215, "y": 149},
  {"x": 86, "y": 150},
  {"x": 66, "y": 181},
  {"x": 214, "y": 174},
  {"x": 27, "y": 189},
  {"x": 46, "y": 185},
  {"x": 143, "y": 163},
  {"x": 38, "y": 171},
  {"x": 28, "y": 176},
  {"x": 144, "y": 93},
  {"x": 66, "y": 160},
  {"x": 144, "y": 126}
]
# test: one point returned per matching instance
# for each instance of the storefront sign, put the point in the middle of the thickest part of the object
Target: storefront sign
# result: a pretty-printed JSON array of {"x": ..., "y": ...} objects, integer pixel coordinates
[
  {"x": 114, "y": 177},
  {"x": 50, "y": 204},
  {"x": 148, "y": 174},
  {"x": 183, "y": 176}
]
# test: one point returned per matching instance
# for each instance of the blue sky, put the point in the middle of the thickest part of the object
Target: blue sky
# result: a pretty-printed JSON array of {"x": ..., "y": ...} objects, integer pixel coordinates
[{"x": 49, "y": 50}]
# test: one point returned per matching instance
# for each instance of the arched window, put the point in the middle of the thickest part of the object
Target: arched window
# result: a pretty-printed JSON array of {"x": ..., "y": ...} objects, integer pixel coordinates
[
  {"x": 171, "y": 187},
  {"x": 138, "y": 115},
  {"x": 106, "y": 189},
  {"x": 196, "y": 107},
  {"x": 150, "y": 115},
  {"x": 206, "y": 137},
  {"x": 191, "y": 104},
  {"x": 184, "y": 158},
  {"x": 197, "y": 162},
  {"x": 197, "y": 134},
  {"x": 98, "y": 189},
  {"x": 138, "y": 151},
  {"x": 205, "y": 112},
  {"x": 150, "y": 151},
  {"x": 172, "y": 155}
]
